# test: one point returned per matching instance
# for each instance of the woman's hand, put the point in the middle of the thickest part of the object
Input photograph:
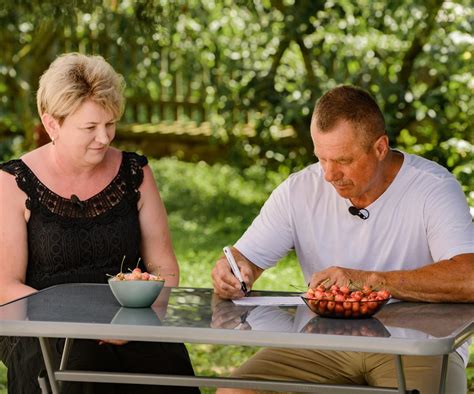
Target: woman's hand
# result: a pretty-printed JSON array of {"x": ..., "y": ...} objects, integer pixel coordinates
[{"x": 117, "y": 342}]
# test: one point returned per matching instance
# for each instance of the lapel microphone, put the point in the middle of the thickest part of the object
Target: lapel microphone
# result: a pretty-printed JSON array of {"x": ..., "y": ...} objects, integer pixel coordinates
[
  {"x": 362, "y": 213},
  {"x": 75, "y": 200}
]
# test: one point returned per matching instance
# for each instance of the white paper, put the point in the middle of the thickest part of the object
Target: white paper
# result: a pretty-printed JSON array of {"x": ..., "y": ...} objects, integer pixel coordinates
[{"x": 269, "y": 301}]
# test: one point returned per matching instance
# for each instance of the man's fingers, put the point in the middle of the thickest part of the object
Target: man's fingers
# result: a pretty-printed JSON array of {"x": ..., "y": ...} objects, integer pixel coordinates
[
  {"x": 222, "y": 273},
  {"x": 322, "y": 279},
  {"x": 332, "y": 276},
  {"x": 222, "y": 323},
  {"x": 226, "y": 285},
  {"x": 228, "y": 292}
]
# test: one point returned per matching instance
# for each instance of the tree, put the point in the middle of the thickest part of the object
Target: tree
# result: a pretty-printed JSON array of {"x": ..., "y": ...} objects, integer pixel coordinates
[{"x": 264, "y": 62}]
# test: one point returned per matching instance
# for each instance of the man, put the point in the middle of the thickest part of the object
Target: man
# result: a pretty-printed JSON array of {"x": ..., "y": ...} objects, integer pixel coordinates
[{"x": 409, "y": 231}]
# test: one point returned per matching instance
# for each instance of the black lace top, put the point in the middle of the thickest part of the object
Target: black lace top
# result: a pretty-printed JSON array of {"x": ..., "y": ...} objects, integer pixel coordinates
[{"x": 81, "y": 241}]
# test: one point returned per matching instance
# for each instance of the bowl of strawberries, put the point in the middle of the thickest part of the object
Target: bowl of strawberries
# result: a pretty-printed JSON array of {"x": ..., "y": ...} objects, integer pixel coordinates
[
  {"x": 345, "y": 302},
  {"x": 136, "y": 289}
]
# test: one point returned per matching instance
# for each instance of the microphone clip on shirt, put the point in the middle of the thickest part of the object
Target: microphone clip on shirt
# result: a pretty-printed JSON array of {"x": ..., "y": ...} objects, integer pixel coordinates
[
  {"x": 362, "y": 213},
  {"x": 76, "y": 201}
]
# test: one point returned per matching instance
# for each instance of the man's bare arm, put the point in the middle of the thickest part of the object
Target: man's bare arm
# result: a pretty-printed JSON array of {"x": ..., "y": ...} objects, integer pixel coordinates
[{"x": 445, "y": 281}]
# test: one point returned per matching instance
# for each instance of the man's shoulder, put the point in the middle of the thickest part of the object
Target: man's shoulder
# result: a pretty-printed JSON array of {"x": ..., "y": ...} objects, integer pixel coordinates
[
  {"x": 313, "y": 172},
  {"x": 426, "y": 168},
  {"x": 424, "y": 178},
  {"x": 303, "y": 184}
]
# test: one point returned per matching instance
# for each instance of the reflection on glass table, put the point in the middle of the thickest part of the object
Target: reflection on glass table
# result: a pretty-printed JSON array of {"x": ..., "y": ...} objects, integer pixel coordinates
[
  {"x": 136, "y": 316},
  {"x": 198, "y": 316},
  {"x": 363, "y": 327}
]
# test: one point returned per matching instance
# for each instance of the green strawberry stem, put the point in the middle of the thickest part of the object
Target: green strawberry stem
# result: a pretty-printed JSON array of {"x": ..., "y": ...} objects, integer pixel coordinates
[{"x": 299, "y": 288}]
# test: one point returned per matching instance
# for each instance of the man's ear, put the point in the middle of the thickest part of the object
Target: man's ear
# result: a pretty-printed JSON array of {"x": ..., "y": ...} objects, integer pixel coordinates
[
  {"x": 381, "y": 147},
  {"x": 51, "y": 125}
]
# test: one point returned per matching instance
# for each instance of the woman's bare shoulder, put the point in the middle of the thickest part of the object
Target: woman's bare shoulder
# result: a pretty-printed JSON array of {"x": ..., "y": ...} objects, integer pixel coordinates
[
  {"x": 36, "y": 157},
  {"x": 10, "y": 192},
  {"x": 6, "y": 180},
  {"x": 112, "y": 161},
  {"x": 115, "y": 155}
]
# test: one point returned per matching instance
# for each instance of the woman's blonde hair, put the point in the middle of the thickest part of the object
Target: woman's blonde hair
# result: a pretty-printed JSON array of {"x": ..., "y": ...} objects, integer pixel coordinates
[{"x": 73, "y": 78}]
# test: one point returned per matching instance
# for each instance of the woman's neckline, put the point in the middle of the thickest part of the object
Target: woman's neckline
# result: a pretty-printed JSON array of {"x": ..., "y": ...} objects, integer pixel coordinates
[{"x": 108, "y": 185}]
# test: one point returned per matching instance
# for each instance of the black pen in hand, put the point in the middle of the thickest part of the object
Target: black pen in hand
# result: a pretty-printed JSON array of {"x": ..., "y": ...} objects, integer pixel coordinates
[{"x": 235, "y": 269}]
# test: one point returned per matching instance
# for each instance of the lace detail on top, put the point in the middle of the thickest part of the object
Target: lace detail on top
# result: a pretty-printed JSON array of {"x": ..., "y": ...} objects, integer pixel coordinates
[
  {"x": 81, "y": 241},
  {"x": 125, "y": 184}
]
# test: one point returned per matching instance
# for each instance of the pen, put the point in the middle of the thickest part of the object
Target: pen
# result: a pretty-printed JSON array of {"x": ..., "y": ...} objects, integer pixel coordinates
[{"x": 234, "y": 267}]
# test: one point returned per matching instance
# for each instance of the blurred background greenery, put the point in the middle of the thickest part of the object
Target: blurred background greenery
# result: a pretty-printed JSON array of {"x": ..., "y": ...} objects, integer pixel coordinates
[
  {"x": 239, "y": 78},
  {"x": 228, "y": 87}
]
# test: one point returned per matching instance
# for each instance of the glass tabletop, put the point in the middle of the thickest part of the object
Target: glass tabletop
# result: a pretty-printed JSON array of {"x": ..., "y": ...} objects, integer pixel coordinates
[{"x": 200, "y": 308}]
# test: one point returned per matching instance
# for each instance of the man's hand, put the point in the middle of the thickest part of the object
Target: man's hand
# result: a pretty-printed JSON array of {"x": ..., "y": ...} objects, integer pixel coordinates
[
  {"x": 443, "y": 281},
  {"x": 225, "y": 314},
  {"x": 342, "y": 277},
  {"x": 226, "y": 285}
]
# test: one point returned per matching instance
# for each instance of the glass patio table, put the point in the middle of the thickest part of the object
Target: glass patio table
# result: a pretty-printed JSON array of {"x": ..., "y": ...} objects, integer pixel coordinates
[{"x": 195, "y": 315}]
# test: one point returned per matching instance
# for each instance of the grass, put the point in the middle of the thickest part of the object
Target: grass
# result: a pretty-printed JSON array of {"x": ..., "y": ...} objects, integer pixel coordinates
[
  {"x": 3, "y": 379},
  {"x": 209, "y": 207}
]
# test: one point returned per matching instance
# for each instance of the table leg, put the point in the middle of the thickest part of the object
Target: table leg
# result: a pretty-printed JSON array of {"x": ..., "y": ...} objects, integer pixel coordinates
[
  {"x": 66, "y": 350},
  {"x": 444, "y": 374},
  {"x": 49, "y": 363},
  {"x": 400, "y": 374}
]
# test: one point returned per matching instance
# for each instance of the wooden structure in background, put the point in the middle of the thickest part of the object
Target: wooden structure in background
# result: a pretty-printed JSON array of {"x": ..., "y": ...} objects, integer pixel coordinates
[{"x": 170, "y": 101}]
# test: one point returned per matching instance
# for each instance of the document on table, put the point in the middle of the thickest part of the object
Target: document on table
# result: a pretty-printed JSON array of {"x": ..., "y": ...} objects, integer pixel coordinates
[{"x": 248, "y": 301}]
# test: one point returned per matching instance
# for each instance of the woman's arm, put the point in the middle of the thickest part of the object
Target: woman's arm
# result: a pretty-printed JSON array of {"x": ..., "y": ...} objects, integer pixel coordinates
[
  {"x": 156, "y": 246},
  {"x": 13, "y": 240}
]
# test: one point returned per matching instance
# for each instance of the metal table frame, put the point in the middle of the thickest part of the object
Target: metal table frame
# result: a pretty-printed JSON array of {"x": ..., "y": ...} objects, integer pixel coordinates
[{"x": 57, "y": 369}]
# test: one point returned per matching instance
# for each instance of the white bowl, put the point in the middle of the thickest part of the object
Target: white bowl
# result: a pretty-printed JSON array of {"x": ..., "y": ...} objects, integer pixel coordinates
[{"x": 136, "y": 293}]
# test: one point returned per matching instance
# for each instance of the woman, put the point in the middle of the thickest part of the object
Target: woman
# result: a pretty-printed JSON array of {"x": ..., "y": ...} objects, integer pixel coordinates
[{"x": 71, "y": 210}]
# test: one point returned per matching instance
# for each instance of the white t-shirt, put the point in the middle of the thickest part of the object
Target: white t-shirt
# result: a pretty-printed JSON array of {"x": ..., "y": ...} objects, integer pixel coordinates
[{"x": 421, "y": 218}]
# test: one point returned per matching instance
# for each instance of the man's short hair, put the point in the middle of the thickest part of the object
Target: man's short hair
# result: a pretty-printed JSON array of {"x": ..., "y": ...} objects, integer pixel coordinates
[{"x": 351, "y": 104}]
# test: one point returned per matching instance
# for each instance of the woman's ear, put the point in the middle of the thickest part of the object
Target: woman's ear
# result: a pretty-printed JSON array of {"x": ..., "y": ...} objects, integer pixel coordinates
[{"x": 51, "y": 125}]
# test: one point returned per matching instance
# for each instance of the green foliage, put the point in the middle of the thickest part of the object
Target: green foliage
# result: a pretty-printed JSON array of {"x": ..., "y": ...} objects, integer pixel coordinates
[
  {"x": 3, "y": 379},
  {"x": 263, "y": 62},
  {"x": 470, "y": 370},
  {"x": 210, "y": 207}
]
